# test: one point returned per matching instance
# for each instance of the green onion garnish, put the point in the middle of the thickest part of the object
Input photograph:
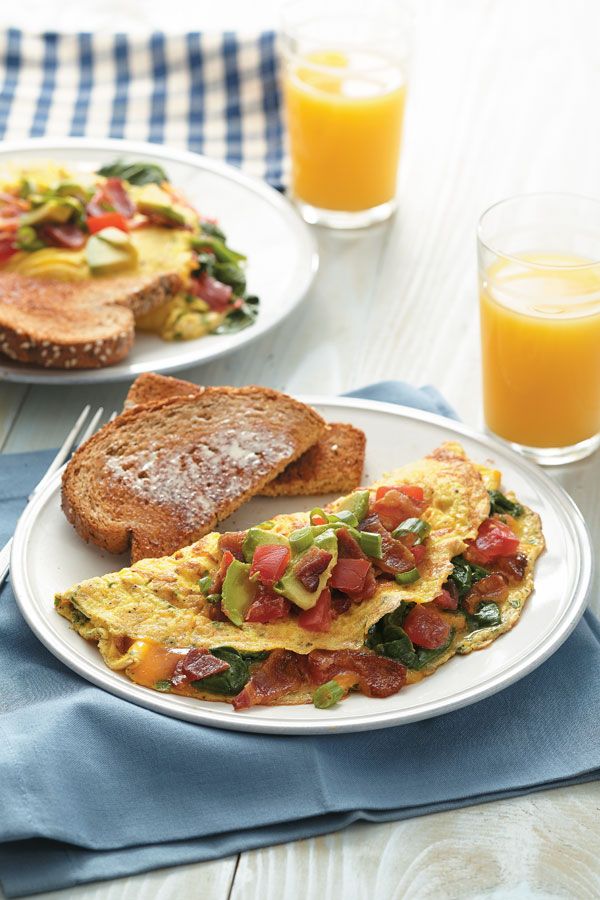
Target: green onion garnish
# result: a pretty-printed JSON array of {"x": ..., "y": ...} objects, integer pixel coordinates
[
  {"x": 301, "y": 539},
  {"x": 205, "y": 584},
  {"x": 407, "y": 577},
  {"x": 317, "y": 512},
  {"x": 328, "y": 695},
  {"x": 369, "y": 543},
  {"x": 213, "y": 598},
  {"x": 345, "y": 516},
  {"x": 413, "y": 526},
  {"x": 163, "y": 686}
]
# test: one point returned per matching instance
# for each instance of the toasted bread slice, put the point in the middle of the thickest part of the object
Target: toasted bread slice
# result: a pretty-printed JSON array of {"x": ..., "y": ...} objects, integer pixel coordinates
[
  {"x": 78, "y": 324},
  {"x": 334, "y": 464},
  {"x": 161, "y": 475}
]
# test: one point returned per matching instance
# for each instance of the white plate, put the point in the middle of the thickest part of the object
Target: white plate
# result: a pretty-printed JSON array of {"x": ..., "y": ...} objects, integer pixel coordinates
[
  {"x": 258, "y": 221},
  {"x": 48, "y": 556}
]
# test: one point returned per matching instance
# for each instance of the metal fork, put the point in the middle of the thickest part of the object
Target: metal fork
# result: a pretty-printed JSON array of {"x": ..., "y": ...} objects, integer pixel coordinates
[{"x": 73, "y": 439}]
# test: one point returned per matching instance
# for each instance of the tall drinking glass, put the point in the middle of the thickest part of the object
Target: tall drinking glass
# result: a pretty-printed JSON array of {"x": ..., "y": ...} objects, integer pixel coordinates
[
  {"x": 539, "y": 273},
  {"x": 345, "y": 92}
]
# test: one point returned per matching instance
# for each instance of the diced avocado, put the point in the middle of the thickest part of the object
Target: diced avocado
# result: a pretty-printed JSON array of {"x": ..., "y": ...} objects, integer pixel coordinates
[
  {"x": 153, "y": 200},
  {"x": 115, "y": 236},
  {"x": 73, "y": 189},
  {"x": 238, "y": 592},
  {"x": 105, "y": 259},
  {"x": 257, "y": 536},
  {"x": 292, "y": 588},
  {"x": 51, "y": 211},
  {"x": 357, "y": 503}
]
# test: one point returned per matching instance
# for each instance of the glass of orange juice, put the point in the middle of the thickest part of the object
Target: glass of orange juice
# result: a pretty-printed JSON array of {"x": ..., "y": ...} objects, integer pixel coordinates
[
  {"x": 345, "y": 91},
  {"x": 539, "y": 275}
]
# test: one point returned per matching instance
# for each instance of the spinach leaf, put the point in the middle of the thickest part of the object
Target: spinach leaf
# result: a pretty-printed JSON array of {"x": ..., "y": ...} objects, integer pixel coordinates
[
  {"x": 232, "y": 680},
  {"x": 134, "y": 173},
  {"x": 240, "y": 318},
  {"x": 218, "y": 247},
  {"x": 465, "y": 574},
  {"x": 212, "y": 229},
  {"x": 229, "y": 273},
  {"x": 488, "y": 614},
  {"x": 501, "y": 504},
  {"x": 77, "y": 617}
]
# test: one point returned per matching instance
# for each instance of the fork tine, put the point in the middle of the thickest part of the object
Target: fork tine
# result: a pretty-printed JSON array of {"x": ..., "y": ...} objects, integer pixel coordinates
[
  {"x": 93, "y": 425},
  {"x": 65, "y": 448}
]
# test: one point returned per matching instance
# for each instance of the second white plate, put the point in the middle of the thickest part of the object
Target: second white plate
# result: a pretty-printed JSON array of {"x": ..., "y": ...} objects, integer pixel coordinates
[
  {"x": 49, "y": 556},
  {"x": 258, "y": 221}
]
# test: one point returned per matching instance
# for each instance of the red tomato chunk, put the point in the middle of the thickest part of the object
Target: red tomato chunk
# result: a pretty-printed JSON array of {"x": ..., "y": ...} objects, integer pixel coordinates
[
  {"x": 494, "y": 539},
  {"x": 318, "y": 618},
  {"x": 270, "y": 562},
  {"x": 426, "y": 628},
  {"x": 350, "y": 574}
]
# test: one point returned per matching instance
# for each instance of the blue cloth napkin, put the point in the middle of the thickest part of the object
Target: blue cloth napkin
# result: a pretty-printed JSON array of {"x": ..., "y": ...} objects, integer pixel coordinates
[
  {"x": 93, "y": 787},
  {"x": 216, "y": 94}
]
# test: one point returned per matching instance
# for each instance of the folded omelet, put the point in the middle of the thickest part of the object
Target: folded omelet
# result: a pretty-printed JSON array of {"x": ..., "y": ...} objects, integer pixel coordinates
[{"x": 150, "y": 618}]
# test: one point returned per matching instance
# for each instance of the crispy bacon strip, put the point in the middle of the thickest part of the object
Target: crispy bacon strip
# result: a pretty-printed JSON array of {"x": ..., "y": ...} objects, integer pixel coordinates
[
  {"x": 396, "y": 557},
  {"x": 233, "y": 541},
  {"x": 197, "y": 664},
  {"x": 280, "y": 674}
]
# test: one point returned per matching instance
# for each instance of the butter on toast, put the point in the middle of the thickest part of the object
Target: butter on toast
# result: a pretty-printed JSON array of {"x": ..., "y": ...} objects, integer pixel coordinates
[
  {"x": 162, "y": 475},
  {"x": 76, "y": 324},
  {"x": 334, "y": 464}
]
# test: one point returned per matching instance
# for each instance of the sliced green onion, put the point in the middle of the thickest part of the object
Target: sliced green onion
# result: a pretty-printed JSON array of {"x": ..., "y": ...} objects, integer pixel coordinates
[
  {"x": 413, "y": 526},
  {"x": 328, "y": 695},
  {"x": 301, "y": 539},
  {"x": 205, "y": 584},
  {"x": 213, "y": 598},
  {"x": 317, "y": 511},
  {"x": 407, "y": 577},
  {"x": 345, "y": 516},
  {"x": 369, "y": 543},
  {"x": 163, "y": 686},
  {"x": 324, "y": 539}
]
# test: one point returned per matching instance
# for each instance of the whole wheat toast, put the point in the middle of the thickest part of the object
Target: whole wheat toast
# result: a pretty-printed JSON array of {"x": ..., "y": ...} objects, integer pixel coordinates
[
  {"x": 78, "y": 324},
  {"x": 161, "y": 475},
  {"x": 334, "y": 464}
]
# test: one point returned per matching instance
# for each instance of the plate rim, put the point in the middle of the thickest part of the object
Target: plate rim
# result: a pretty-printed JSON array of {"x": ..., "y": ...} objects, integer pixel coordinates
[
  {"x": 574, "y": 522},
  {"x": 114, "y": 374}
]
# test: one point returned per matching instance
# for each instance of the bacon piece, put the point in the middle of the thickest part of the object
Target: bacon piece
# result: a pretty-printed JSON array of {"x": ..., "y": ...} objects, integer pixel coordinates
[
  {"x": 513, "y": 567},
  {"x": 196, "y": 665},
  {"x": 340, "y": 603},
  {"x": 213, "y": 292},
  {"x": 267, "y": 606},
  {"x": 393, "y": 506},
  {"x": 111, "y": 196},
  {"x": 226, "y": 560},
  {"x": 68, "y": 235},
  {"x": 448, "y": 599},
  {"x": 348, "y": 546},
  {"x": 280, "y": 674},
  {"x": 396, "y": 557},
  {"x": 233, "y": 541},
  {"x": 492, "y": 588},
  {"x": 311, "y": 566},
  {"x": 376, "y": 676}
]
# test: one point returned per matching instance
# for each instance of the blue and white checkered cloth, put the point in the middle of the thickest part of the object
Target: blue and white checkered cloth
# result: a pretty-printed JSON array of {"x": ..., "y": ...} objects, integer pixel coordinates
[{"x": 216, "y": 94}]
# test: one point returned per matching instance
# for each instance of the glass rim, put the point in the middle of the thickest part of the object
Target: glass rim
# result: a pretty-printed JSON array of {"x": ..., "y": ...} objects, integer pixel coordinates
[{"x": 518, "y": 259}]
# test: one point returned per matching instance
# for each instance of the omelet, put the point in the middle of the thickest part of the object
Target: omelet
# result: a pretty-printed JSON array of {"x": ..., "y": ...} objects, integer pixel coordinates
[{"x": 149, "y": 618}]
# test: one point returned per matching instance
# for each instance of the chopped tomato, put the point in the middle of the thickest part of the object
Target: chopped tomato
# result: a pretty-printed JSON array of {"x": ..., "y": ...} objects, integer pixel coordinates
[
  {"x": 418, "y": 551},
  {"x": 213, "y": 292},
  {"x": 267, "y": 606},
  {"x": 107, "y": 220},
  {"x": 318, "y": 618},
  {"x": 7, "y": 249},
  {"x": 350, "y": 574},
  {"x": 69, "y": 236},
  {"x": 413, "y": 491},
  {"x": 446, "y": 600},
  {"x": 426, "y": 628},
  {"x": 270, "y": 562},
  {"x": 494, "y": 539}
]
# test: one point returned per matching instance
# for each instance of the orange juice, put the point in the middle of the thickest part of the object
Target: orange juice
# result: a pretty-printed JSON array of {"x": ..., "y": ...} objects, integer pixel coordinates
[
  {"x": 540, "y": 330},
  {"x": 345, "y": 125}
]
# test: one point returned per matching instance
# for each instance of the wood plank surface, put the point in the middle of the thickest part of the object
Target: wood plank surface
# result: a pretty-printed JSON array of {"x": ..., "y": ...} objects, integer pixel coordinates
[{"x": 504, "y": 98}]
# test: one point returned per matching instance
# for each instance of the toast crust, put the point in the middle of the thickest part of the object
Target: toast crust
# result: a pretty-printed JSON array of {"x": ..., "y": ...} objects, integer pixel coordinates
[
  {"x": 333, "y": 465},
  {"x": 162, "y": 475},
  {"x": 76, "y": 325}
]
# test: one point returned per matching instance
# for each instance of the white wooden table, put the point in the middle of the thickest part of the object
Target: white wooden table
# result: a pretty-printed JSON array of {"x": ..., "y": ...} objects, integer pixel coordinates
[{"x": 504, "y": 100}]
